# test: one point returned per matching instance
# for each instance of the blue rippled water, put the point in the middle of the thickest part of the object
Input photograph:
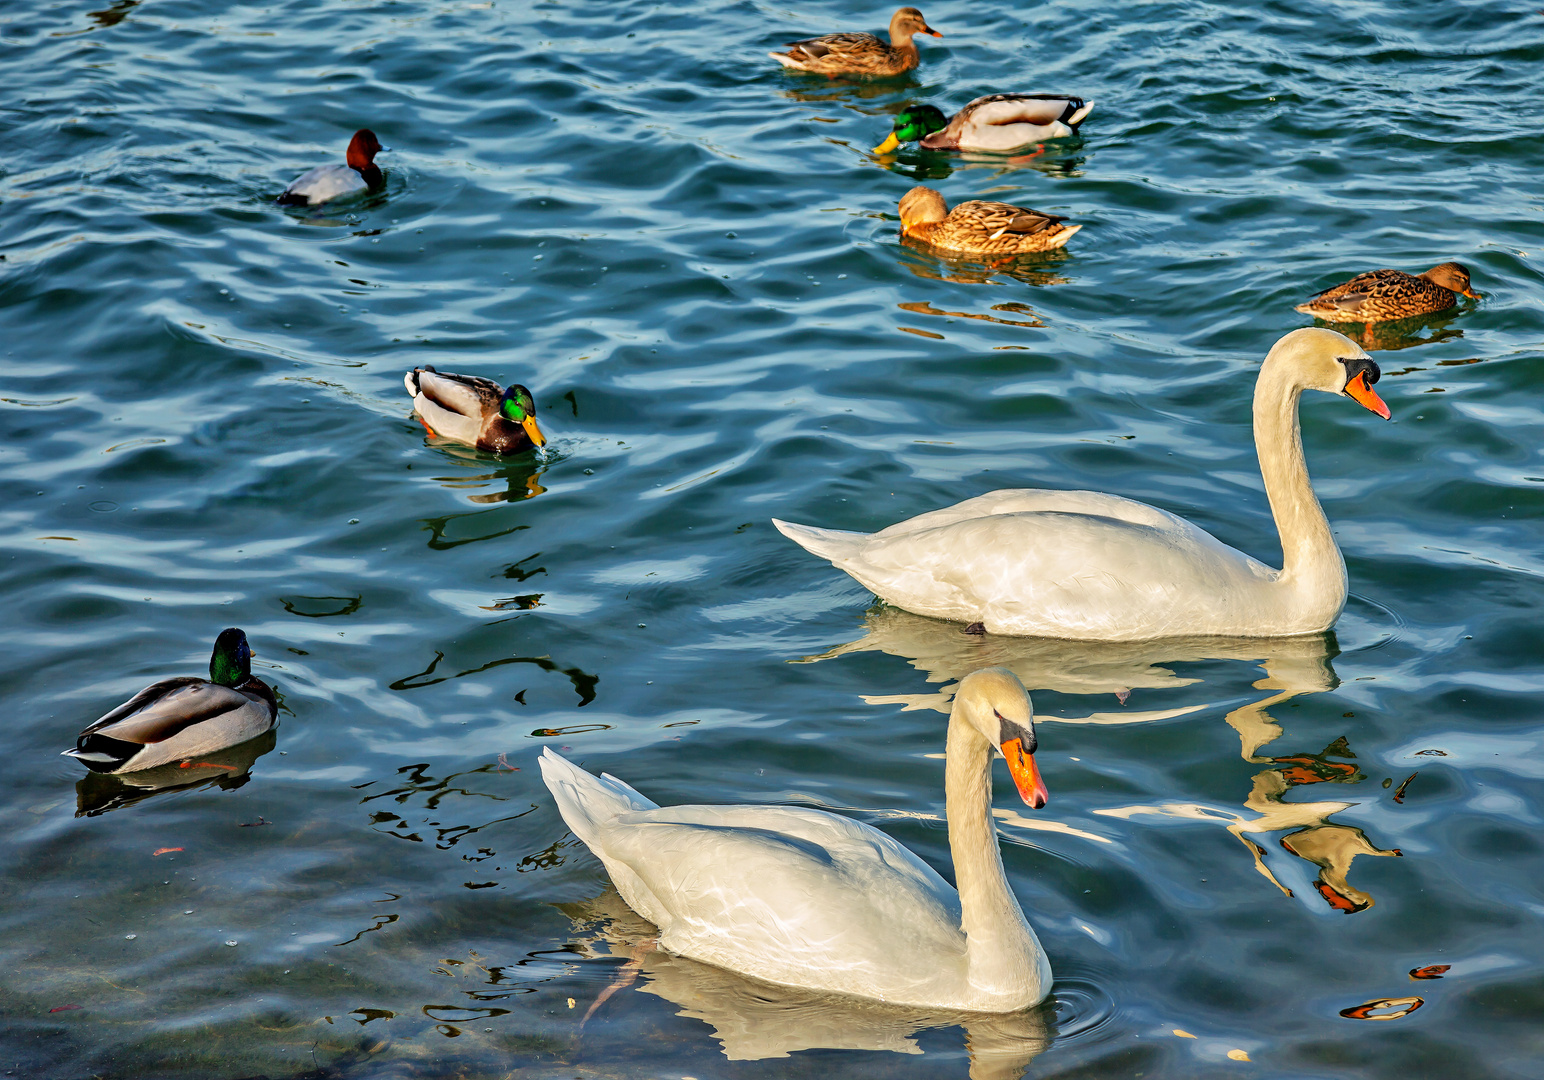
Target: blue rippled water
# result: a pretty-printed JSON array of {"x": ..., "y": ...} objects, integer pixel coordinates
[{"x": 691, "y": 259}]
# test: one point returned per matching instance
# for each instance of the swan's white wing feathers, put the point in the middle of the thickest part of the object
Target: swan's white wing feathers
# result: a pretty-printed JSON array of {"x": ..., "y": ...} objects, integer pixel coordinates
[
  {"x": 779, "y": 892},
  {"x": 1052, "y": 563}
]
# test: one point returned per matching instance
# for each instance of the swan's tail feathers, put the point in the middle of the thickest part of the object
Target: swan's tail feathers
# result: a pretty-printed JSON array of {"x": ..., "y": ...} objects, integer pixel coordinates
[
  {"x": 587, "y": 801},
  {"x": 1082, "y": 114},
  {"x": 837, "y": 545}
]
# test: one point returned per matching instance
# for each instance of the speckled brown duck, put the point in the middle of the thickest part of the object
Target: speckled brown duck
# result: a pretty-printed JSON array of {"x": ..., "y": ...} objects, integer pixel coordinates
[
  {"x": 859, "y": 54},
  {"x": 980, "y": 228},
  {"x": 1381, "y": 295}
]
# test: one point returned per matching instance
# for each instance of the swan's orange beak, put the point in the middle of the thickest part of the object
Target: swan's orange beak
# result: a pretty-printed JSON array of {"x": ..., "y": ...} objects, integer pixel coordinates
[
  {"x": 1025, "y": 774},
  {"x": 1366, "y": 396}
]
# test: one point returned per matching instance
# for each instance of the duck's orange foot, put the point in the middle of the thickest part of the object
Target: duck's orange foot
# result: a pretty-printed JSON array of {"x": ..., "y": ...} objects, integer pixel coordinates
[{"x": 1020, "y": 159}]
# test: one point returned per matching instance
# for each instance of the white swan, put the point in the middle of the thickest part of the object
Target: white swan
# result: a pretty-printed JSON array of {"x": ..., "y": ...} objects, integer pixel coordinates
[
  {"x": 1082, "y": 564},
  {"x": 804, "y": 898}
]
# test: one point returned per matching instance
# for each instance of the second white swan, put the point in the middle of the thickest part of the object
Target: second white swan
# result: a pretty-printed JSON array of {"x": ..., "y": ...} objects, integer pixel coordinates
[
  {"x": 804, "y": 898},
  {"x": 1091, "y": 566}
]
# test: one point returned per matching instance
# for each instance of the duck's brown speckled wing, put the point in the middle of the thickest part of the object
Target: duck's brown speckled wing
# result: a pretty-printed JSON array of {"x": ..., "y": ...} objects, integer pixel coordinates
[
  {"x": 1380, "y": 295},
  {"x": 999, "y": 227},
  {"x": 851, "y": 53},
  {"x": 848, "y": 44}
]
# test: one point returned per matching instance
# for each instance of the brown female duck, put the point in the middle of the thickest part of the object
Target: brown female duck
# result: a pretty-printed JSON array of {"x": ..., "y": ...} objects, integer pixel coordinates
[
  {"x": 854, "y": 53},
  {"x": 1381, "y": 295},
  {"x": 983, "y": 228}
]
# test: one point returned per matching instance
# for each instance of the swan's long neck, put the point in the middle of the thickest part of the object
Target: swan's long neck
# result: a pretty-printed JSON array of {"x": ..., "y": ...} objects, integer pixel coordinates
[
  {"x": 1003, "y": 956},
  {"x": 1311, "y": 563}
]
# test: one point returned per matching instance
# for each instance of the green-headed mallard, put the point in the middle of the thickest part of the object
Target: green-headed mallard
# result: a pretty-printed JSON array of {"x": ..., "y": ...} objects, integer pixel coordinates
[
  {"x": 856, "y": 53},
  {"x": 183, "y": 718},
  {"x": 1000, "y": 122},
  {"x": 475, "y": 411},
  {"x": 1381, "y": 295},
  {"x": 326, "y": 182},
  {"x": 982, "y": 228}
]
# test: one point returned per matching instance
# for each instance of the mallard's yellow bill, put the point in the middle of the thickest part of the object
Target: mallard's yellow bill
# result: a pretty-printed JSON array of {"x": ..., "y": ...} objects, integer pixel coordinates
[
  {"x": 529, "y": 423},
  {"x": 890, "y": 143}
]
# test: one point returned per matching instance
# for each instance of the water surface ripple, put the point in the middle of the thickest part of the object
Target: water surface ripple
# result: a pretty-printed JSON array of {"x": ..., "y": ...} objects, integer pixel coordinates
[{"x": 690, "y": 258}]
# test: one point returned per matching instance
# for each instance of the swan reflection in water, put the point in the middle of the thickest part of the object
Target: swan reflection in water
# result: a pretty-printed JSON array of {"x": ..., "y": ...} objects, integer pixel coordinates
[
  {"x": 1293, "y": 666},
  {"x": 228, "y": 769},
  {"x": 754, "y": 1020}
]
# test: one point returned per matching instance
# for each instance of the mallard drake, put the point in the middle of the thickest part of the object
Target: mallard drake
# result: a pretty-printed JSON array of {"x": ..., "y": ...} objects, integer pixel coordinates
[
  {"x": 1381, "y": 295},
  {"x": 854, "y": 53},
  {"x": 183, "y": 718},
  {"x": 475, "y": 411},
  {"x": 326, "y": 182},
  {"x": 996, "y": 122},
  {"x": 985, "y": 228}
]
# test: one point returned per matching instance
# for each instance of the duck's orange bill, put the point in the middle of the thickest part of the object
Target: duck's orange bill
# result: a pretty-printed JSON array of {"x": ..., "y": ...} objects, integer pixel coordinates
[
  {"x": 1022, "y": 768},
  {"x": 890, "y": 143},
  {"x": 1366, "y": 396},
  {"x": 529, "y": 423}
]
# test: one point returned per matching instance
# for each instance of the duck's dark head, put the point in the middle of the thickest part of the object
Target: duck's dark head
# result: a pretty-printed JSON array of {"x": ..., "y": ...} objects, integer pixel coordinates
[
  {"x": 231, "y": 662},
  {"x": 913, "y": 124},
  {"x": 519, "y": 407}
]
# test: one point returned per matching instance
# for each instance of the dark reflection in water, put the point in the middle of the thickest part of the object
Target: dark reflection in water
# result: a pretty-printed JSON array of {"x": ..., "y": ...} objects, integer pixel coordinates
[
  {"x": 584, "y": 683},
  {"x": 228, "y": 769},
  {"x": 754, "y": 1020},
  {"x": 828, "y": 88},
  {"x": 1293, "y": 667},
  {"x": 1056, "y": 159},
  {"x": 1399, "y": 333},
  {"x": 114, "y": 13},
  {"x": 424, "y": 792},
  {"x": 1032, "y": 269}
]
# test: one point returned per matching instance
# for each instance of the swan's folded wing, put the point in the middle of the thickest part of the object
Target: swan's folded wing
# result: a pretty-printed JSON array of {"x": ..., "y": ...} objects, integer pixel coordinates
[
  {"x": 1025, "y": 500},
  {"x": 780, "y": 892},
  {"x": 1055, "y": 572}
]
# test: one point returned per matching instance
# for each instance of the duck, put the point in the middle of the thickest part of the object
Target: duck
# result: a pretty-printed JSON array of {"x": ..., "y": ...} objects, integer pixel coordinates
[
  {"x": 855, "y": 53},
  {"x": 475, "y": 411},
  {"x": 980, "y": 228},
  {"x": 1000, "y": 122},
  {"x": 1382, "y": 295},
  {"x": 183, "y": 718},
  {"x": 327, "y": 182},
  {"x": 805, "y": 898},
  {"x": 1097, "y": 567}
]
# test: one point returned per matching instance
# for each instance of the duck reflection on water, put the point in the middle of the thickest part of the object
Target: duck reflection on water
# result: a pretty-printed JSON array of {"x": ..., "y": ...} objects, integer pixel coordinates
[
  {"x": 1400, "y": 333},
  {"x": 931, "y": 265},
  {"x": 754, "y": 1020},
  {"x": 519, "y": 481},
  {"x": 1293, "y": 667},
  {"x": 227, "y": 769}
]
